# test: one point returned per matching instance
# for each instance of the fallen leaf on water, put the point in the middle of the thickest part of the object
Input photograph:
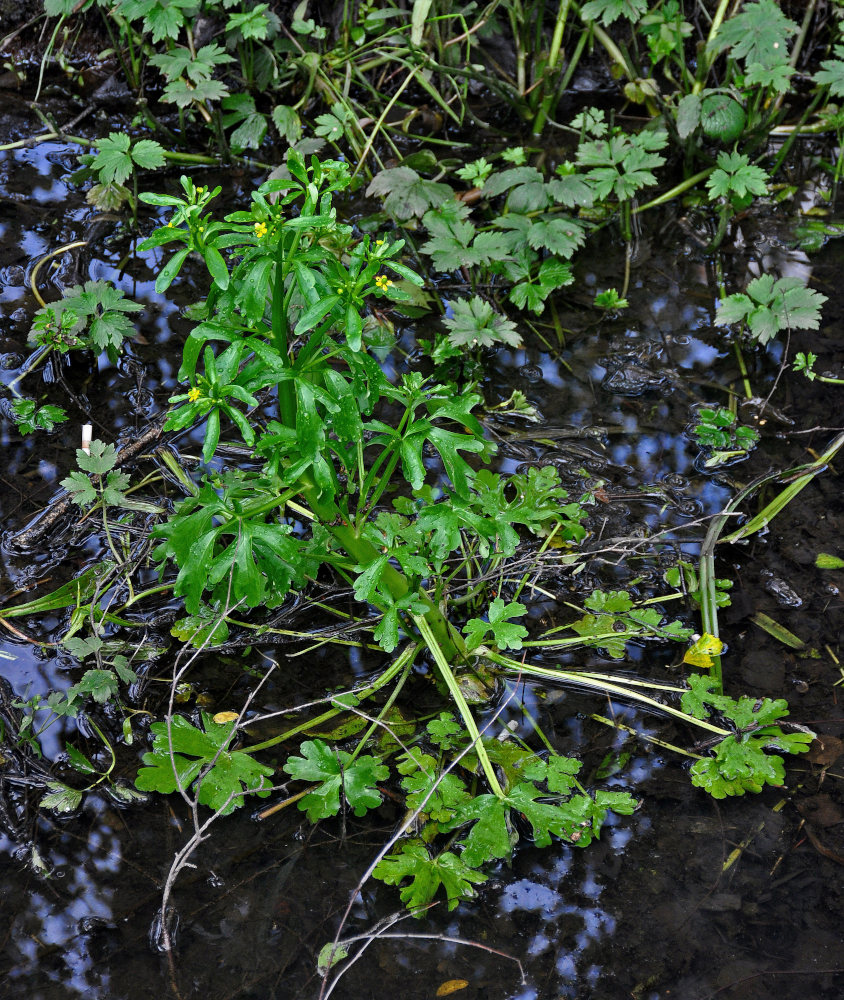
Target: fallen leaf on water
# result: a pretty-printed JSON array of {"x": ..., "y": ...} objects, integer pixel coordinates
[
  {"x": 222, "y": 717},
  {"x": 700, "y": 655},
  {"x": 452, "y": 986}
]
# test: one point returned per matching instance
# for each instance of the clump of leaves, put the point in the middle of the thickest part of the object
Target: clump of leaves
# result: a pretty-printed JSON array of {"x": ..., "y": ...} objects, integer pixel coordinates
[
  {"x": 413, "y": 860},
  {"x": 805, "y": 362},
  {"x": 544, "y": 791},
  {"x": 721, "y": 438},
  {"x": 31, "y": 417},
  {"x": 93, "y": 316},
  {"x": 621, "y": 165},
  {"x": 772, "y": 304},
  {"x": 739, "y": 762},
  {"x": 684, "y": 577},
  {"x": 98, "y": 482},
  {"x": 406, "y": 193}
]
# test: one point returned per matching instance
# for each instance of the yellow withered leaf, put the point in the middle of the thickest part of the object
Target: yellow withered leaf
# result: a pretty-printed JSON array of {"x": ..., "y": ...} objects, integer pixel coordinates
[
  {"x": 222, "y": 717},
  {"x": 452, "y": 986},
  {"x": 701, "y": 653}
]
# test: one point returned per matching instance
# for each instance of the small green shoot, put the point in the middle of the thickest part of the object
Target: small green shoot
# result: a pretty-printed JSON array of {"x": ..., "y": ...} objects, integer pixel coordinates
[
  {"x": 610, "y": 300},
  {"x": 721, "y": 439}
]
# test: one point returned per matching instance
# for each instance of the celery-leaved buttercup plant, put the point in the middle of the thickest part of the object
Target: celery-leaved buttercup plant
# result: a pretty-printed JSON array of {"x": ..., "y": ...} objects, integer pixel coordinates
[{"x": 385, "y": 478}]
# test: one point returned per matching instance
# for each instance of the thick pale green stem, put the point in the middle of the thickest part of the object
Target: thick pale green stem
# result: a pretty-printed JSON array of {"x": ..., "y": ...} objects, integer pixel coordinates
[
  {"x": 704, "y": 59},
  {"x": 460, "y": 701}
]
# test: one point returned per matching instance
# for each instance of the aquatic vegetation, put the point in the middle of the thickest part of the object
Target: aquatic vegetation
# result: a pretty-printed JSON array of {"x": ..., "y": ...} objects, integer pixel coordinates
[
  {"x": 329, "y": 483},
  {"x": 381, "y": 484}
]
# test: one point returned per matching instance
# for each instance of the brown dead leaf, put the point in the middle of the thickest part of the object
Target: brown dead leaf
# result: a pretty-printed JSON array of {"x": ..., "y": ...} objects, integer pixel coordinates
[
  {"x": 824, "y": 750},
  {"x": 820, "y": 810}
]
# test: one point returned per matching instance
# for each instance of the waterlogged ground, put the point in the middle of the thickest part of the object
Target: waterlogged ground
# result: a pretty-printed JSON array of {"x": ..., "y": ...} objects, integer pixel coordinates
[{"x": 688, "y": 899}]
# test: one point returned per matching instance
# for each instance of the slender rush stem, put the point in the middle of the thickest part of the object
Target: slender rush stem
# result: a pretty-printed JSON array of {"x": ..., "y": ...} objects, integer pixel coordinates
[
  {"x": 395, "y": 668},
  {"x": 770, "y": 511}
]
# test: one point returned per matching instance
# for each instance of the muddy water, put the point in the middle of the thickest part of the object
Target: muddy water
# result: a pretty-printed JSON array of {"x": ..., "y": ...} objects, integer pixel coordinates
[{"x": 689, "y": 898}]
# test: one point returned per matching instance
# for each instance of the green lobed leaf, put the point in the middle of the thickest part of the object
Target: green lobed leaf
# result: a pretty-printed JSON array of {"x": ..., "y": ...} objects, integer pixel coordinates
[
  {"x": 335, "y": 771},
  {"x": 505, "y": 634},
  {"x": 608, "y": 11},
  {"x": 427, "y": 874},
  {"x": 474, "y": 323},
  {"x": 223, "y": 784}
]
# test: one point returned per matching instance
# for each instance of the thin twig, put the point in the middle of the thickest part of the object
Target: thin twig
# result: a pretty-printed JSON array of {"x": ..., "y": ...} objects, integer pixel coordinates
[{"x": 326, "y": 989}]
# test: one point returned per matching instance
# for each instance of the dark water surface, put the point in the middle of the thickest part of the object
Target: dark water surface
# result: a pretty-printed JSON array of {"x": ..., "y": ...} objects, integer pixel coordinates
[{"x": 689, "y": 898}]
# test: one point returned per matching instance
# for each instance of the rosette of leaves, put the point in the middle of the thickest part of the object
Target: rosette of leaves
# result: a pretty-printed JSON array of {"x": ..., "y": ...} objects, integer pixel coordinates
[
  {"x": 544, "y": 792},
  {"x": 740, "y": 762}
]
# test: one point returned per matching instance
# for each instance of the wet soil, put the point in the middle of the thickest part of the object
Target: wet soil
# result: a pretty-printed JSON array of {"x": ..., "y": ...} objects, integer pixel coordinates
[{"x": 689, "y": 898}]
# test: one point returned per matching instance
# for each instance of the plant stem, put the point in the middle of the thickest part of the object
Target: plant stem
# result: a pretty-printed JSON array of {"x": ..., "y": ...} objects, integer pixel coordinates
[
  {"x": 770, "y": 511},
  {"x": 671, "y": 194},
  {"x": 607, "y": 687},
  {"x": 704, "y": 60},
  {"x": 395, "y": 668},
  {"x": 460, "y": 701},
  {"x": 748, "y": 392}
]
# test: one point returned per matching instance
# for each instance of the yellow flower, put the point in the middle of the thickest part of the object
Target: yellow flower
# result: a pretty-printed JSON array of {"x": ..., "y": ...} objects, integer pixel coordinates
[
  {"x": 200, "y": 190},
  {"x": 383, "y": 282},
  {"x": 379, "y": 243},
  {"x": 194, "y": 395},
  {"x": 260, "y": 229}
]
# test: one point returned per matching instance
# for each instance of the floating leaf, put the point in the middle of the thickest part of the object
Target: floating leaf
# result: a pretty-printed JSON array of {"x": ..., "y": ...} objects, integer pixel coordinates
[
  {"x": 702, "y": 652},
  {"x": 329, "y": 955},
  {"x": 427, "y": 874},
  {"x": 180, "y": 757},
  {"x": 451, "y": 986},
  {"x": 61, "y": 798},
  {"x": 826, "y": 561}
]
